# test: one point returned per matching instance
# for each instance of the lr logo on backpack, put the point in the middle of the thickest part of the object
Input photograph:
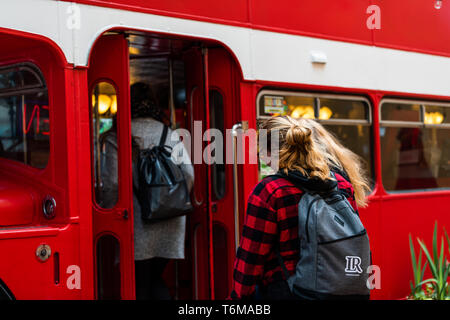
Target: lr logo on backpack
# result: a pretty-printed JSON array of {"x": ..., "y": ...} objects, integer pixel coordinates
[{"x": 353, "y": 265}]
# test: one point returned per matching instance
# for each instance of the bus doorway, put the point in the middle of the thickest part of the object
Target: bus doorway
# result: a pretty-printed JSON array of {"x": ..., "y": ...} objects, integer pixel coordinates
[{"x": 196, "y": 85}]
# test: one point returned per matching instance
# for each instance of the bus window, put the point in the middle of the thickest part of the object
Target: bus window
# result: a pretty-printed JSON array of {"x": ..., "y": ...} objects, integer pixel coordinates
[
  {"x": 343, "y": 109},
  {"x": 415, "y": 145},
  {"x": 105, "y": 162},
  {"x": 218, "y": 169},
  {"x": 400, "y": 112},
  {"x": 24, "y": 116},
  {"x": 295, "y": 105},
  {"x": 108, "y": 268},
  {"x": 349, "y": 118}
]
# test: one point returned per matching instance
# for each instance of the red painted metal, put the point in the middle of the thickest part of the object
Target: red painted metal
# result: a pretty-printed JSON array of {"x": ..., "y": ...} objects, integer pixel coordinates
[
  {"x": 17, "y": 204},
  {"x": 198, "y": 231},
  {"x": 26, "y": 187},
  {"x": 205, "y": 61},
  {"x": 223, "y": 78},
  {"x": 109, "y": 62},
  {"x": 413, "y": 26}
]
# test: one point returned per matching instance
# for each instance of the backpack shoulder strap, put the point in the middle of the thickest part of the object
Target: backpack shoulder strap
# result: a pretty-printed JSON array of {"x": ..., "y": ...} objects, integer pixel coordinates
[{"x": 163, "y": 136}]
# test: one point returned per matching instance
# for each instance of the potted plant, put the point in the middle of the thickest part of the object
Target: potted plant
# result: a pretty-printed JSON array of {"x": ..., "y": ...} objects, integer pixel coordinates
[{"x": 437, "y": 287}]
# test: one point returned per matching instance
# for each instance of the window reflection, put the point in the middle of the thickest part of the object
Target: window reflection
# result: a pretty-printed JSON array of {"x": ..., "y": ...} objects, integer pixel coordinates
[
  {"x": 415, "y": 157},
  {"x": 24, "y": 116},
  {"x": 436, "y": 115}
]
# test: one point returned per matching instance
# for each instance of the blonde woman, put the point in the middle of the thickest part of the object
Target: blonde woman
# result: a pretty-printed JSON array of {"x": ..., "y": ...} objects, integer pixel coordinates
[{"x": 307, "y": 155}]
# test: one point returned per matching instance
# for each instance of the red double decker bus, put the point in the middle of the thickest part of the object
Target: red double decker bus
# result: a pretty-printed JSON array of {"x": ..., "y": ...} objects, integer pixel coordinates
[{"x": 373, "y": 72}]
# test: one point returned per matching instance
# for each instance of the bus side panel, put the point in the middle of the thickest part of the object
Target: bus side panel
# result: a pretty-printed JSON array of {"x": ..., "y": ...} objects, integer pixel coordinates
[{"x": 30, "y": 278}]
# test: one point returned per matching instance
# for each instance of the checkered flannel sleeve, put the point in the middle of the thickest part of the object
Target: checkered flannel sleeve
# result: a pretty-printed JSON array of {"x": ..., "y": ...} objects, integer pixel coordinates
[{"x": 259, "y": 232}]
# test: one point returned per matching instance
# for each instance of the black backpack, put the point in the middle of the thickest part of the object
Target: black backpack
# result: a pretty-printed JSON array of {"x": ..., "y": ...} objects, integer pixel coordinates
[
  {"x": 162, "y": 191},
  {"x": 334, "y": 249}
]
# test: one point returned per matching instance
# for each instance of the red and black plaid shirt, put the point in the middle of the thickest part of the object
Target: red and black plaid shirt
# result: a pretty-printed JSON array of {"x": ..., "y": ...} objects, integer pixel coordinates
[{"x": 271, "y": 218}]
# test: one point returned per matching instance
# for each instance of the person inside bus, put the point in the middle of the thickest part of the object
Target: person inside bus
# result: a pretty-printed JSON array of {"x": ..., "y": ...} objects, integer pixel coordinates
[
  {"x": 307, "y": 152},
  {"x": 158, "y": 242}
]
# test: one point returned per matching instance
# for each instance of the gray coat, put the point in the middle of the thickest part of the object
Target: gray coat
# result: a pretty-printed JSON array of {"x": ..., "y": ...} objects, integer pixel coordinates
[{"x": 166, "y": 238}]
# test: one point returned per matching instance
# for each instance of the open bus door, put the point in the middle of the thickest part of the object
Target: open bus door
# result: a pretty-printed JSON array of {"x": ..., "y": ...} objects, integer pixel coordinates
[
  {"x": 109, "y": 95},
  {"x": 213, "y": 100}
]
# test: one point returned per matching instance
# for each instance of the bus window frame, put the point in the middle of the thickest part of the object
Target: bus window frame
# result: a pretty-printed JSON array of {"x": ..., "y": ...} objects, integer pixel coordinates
[
  {"x": 410, "y": 124},
  {"x": 317, "y": 97}
]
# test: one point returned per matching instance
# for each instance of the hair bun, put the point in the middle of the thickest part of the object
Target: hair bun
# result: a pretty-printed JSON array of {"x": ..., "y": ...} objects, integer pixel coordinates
[{"x": 298, "y": 137}]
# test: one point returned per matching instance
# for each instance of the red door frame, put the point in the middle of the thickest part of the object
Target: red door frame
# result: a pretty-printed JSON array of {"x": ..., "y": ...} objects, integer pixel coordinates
[
  {"x": 199, "y": 220},
  {"x": 224, "y": 78},
  {"x": 109, "y": 62},
  {"x": 219, "y": 73}
]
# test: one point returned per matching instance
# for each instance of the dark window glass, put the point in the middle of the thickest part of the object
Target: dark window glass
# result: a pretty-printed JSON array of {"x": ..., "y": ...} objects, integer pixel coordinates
[
  {"x": 400, "y": 112},
  {"x": 104, "y": 111},
  {"x": 108, "y": 268},
  {"x": 343, "y": 109},
  {"x": 358, "y": 139},
  {"x": 217, "y": 122},
  {"x": 220, "y": 244},
  {"x": 415, "y": 158},
  {"x": 29, "y": 78},
  {"x": 20, "y": 77},
  {"x": 10, "y": 79},
  {"x": 24, "y": 118}
]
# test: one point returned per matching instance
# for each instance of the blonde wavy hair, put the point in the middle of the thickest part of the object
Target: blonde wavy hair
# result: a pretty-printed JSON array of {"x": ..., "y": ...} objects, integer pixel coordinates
[{"x": 306, "y": 146}]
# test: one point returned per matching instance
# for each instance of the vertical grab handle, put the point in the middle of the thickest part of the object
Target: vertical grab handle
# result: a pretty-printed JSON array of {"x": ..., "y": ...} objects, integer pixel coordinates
[
  {"x": 173, "y": 117},
  {"x": 238, "y": 127}
]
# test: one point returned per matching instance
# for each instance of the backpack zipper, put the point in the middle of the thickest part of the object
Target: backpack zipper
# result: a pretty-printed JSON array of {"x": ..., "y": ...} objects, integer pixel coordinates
[{"x": 346, "y": 238}]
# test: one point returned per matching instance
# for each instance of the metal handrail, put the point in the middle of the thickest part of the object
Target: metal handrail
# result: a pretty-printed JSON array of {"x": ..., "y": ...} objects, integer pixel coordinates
[{"x": 240, "y": 126}]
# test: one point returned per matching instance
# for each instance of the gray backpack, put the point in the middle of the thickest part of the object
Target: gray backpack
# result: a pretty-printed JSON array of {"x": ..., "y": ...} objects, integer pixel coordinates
[{"x": 334, "y": 249}]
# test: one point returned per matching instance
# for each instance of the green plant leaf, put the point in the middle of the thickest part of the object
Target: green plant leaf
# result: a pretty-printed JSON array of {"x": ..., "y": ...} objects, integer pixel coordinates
[
  {"x": 435, "y": 250},
  {"x": 413, "y": 259},
  {"x": 430, "y": 260},
  {"x": 438, "y": 286},
  {"x": 423, "y": 270},
  {"x": 419, "y": 276},
  {"x": 442, "y": 292},
  {"x": 448, "y": 240},
  {"x": 441, "y": 268},
  {"x": 446, "y": 272},
  {"x": 431, "y": 280}
]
